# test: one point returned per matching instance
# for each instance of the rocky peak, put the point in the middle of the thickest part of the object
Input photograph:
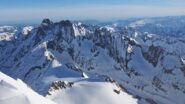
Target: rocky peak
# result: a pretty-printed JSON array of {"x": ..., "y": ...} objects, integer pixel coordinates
[
  {"x": 66, "y": 23},
  {"x": 46, "y": 22}
]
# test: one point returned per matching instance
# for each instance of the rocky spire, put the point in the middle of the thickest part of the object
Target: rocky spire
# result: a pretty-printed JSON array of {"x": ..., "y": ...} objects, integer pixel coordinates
[{"x": 46, "y": 22}]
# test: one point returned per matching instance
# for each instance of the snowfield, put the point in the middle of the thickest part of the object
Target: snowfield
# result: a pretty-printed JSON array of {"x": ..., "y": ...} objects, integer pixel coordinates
[
  {"x": 17, "y": 92},
  {"x": 84, "y": 92}
]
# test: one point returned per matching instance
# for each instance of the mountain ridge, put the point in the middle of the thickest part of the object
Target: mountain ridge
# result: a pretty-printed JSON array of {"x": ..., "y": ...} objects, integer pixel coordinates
[{"x": 149, "y": 66}]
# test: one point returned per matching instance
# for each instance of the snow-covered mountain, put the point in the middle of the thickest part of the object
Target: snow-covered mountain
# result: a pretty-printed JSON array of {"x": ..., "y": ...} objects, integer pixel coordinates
[
  {"x": 84, "y": 64},
  {"x": 164, "y": 26}
]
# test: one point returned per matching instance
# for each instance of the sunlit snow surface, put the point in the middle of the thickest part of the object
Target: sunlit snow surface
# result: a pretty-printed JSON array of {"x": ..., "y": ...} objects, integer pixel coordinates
[
  {"x": 16, "y": 92},
  {"x": 83, "y": 92}
]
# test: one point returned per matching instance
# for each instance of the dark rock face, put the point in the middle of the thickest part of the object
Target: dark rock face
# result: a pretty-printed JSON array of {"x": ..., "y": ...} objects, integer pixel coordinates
[
  {"x": 66, "y": 31},
  {"x": 109, "y": 79},
  {"x": 158, "y": 84},
  {"x": 153, "y": 54},
  {"x": 66, "y": 23},
  {"x": 47, "y": 22},
  {"x": 51, "y": 45},
  {"x": 150, "y": 101},
  {"x": 57, "y": 85},
  {"x": 116, "y": 91}
]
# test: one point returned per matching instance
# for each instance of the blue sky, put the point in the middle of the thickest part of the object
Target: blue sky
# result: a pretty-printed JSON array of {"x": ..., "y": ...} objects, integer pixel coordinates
[{"x": 35, "y": 10}]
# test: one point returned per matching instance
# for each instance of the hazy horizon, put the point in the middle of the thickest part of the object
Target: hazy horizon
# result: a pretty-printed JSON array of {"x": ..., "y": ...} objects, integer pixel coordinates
[{"x": 14, "y": 12}]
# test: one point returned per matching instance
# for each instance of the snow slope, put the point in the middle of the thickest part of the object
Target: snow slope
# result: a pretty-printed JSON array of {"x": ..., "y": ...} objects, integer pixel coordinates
[
  {"x": 82, "y": 92},
  {"x": 16, "y": 92},
  {"x": 85, "y": 92}
]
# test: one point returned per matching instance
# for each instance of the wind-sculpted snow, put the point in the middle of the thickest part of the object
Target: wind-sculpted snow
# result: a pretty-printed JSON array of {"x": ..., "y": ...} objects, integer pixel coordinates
[{"x": 148, "y": 66}]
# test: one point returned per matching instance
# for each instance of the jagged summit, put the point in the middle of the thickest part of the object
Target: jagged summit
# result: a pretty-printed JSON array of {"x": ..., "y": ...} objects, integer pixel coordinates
[
  {"x": 66, "y": 22},
  {"x": 46, "y": 22}
]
